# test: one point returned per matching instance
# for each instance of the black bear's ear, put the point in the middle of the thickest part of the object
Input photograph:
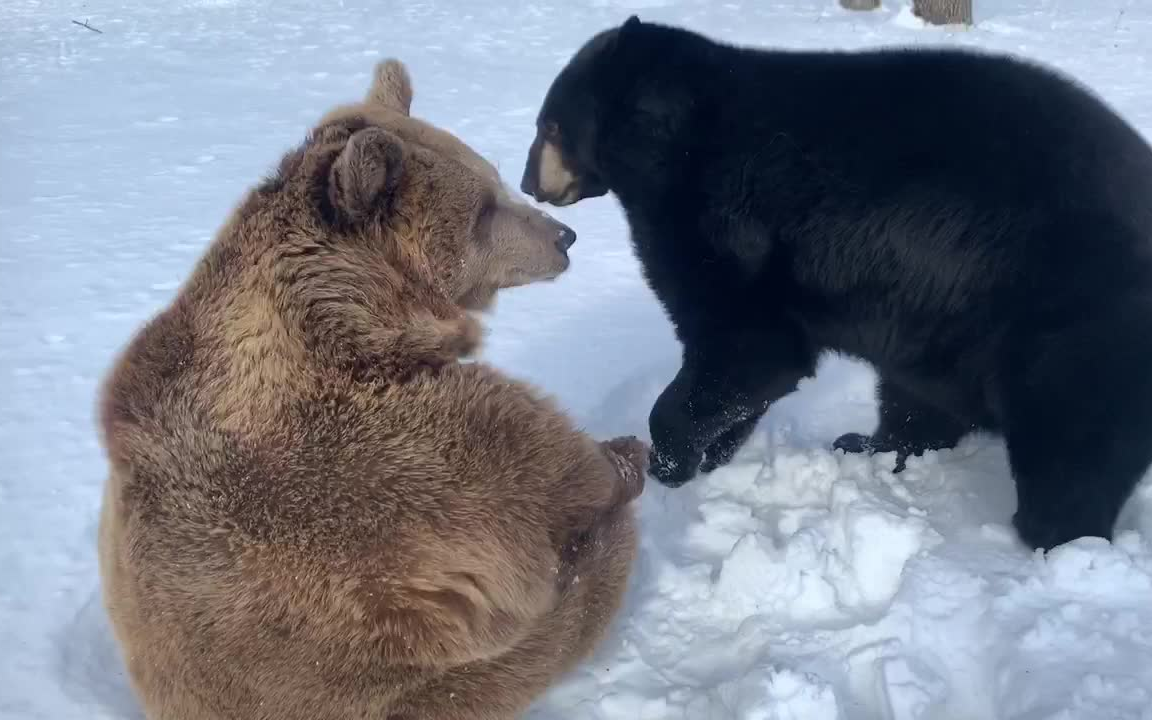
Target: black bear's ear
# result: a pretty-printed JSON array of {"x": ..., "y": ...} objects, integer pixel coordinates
[
  {"x": 630, "y": 26},
  {"x": 365, "y": 173},
  {"x": 615, "y": 39}
]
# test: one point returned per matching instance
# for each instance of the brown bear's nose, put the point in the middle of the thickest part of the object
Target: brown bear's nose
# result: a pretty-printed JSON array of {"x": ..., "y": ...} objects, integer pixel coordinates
[{"x": 566, "y": 238}]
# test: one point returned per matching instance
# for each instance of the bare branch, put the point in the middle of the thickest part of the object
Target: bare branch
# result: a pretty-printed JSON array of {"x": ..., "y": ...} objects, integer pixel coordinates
[{"x": 87, "y": 26}]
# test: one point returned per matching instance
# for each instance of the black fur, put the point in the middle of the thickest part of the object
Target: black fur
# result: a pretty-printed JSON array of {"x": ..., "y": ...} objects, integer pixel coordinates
[{"x": 975, "y": 227}]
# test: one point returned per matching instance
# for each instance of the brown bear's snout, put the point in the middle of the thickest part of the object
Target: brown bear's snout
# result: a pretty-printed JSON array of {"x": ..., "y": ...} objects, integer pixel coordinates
[
  {"x": 563, "y": 235},
  {"x": 527, "y": 245}
]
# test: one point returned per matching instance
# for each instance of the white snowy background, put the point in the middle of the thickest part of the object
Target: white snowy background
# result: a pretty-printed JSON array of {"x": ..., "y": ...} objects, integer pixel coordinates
[{"x": 796, "y": 584}]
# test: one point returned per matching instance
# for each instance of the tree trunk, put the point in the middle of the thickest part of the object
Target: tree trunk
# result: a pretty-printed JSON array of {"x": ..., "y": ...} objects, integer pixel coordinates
[
  {"x": 859, "y": 4},
  {"x": 943, "y": 12}
]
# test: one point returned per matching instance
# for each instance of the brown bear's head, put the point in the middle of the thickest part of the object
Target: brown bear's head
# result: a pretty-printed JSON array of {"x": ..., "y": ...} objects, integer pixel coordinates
[
  {"x": 381, "y": 231},
  {"x": 392, "y": 173}
]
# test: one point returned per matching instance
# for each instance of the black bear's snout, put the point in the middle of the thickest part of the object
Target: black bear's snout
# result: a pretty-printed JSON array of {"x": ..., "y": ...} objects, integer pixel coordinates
[
  {"x": 528, "y": 184},
  {"x": 530, "y": 180}
]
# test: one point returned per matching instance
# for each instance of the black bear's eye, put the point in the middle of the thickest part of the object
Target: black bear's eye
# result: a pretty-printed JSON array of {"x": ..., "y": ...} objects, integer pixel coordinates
[{"x": 551, "y": 130}]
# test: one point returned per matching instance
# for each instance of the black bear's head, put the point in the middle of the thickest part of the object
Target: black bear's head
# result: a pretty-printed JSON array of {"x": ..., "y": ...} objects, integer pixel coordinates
[{"x": 612, "y": 104}]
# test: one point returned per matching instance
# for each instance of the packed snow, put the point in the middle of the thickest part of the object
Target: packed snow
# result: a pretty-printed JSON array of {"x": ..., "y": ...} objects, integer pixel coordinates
[{"x": 794, "y": 584}]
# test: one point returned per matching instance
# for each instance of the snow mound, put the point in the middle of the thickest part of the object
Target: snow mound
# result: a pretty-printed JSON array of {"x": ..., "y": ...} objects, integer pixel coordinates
[{"x": 798, "y": 582}]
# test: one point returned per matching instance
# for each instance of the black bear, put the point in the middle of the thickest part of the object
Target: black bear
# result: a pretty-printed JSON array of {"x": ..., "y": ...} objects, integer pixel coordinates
[{"x": 976, "y": 227}]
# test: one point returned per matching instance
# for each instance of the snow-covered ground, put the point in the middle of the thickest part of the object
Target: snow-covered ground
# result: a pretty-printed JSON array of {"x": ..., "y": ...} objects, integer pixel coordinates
[{"x": 794, "y": 584}]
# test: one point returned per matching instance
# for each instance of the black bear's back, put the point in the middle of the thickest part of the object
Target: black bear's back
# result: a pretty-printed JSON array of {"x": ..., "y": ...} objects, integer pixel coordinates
[
  {"x": 897, "y": 201},
  {"x": 998, "y": 128}
]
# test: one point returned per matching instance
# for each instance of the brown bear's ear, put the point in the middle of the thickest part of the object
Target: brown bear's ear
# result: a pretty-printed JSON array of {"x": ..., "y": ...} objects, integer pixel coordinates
[
  {"x": 392, "y": 86},
  {"x": 365, "y": 173}
]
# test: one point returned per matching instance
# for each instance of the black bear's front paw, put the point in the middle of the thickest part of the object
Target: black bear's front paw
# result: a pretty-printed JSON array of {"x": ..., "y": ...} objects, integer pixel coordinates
[
  {"x": 719, "y": 454},
  {"x": 670, "y": 470}
]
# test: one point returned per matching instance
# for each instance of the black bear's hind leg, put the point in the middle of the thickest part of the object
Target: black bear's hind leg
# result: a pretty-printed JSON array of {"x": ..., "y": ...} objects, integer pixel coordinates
[
  {"x": 1065, "y": 490},
  {"x": 1075, "y": 466},
  {"x": 1079, "y": 422},
  {"x": 908, "y": 427}
]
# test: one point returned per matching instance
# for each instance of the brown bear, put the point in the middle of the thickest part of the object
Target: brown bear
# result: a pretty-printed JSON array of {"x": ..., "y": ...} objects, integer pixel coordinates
[{"x": 316, "y": 508}]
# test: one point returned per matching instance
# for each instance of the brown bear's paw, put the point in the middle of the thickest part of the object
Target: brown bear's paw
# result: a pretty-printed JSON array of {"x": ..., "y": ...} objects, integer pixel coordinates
[{"x": 629, "y": 455}]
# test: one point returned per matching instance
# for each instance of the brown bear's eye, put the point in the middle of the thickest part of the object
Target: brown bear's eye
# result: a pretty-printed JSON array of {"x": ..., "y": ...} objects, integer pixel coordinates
[
  {"x": 488, "y": 203},
  {"x": 485, "y": 212}
]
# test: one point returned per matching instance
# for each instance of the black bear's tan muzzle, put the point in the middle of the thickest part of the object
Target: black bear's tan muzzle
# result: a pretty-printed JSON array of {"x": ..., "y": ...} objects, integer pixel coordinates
[{"x": 547, "y": 176}]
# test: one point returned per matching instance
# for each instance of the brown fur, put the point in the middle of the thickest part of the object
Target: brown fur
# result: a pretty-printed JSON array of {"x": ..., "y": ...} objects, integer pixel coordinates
[{"x": 315, "y": 510}]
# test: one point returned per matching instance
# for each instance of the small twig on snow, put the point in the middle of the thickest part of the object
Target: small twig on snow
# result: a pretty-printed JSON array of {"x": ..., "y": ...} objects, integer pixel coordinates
[
  {"x": 86, "y": 25},
  {"x": 1120, "y": 15}
]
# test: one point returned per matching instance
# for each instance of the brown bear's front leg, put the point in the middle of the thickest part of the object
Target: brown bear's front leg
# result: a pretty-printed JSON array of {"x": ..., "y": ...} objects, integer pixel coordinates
[{"x": 596, "y": 497}]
